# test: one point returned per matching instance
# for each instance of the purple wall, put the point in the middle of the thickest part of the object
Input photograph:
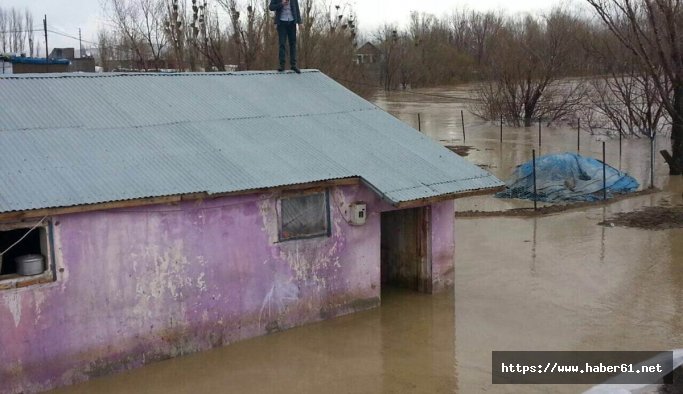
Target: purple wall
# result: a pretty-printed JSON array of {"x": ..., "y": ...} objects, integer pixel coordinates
[
  {"x": 146, "y": 284},
  {"x": 443, "y": 245}
]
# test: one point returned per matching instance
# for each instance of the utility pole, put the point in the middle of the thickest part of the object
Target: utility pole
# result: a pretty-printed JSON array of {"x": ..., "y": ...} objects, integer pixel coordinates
[
  {"x": 80, "y": 44},
  {"x": 47, "y": 54}
]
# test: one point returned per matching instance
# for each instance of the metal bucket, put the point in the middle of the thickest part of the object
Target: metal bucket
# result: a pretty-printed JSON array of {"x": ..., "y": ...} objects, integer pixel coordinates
[{"x": 30, "y": 264}]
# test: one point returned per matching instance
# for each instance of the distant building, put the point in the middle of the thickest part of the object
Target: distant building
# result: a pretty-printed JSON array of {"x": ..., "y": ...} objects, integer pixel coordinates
[
  {"x": 368, "y": 54},
  {"x": 84, "y": 64},
  {"x": 368, "y": 58},
  {"x": 63, "y": 53}
]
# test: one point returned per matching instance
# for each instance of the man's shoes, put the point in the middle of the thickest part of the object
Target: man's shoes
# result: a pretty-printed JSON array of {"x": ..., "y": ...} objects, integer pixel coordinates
[
  {"x": 296, "y": 69},
  {"x": 281, "y": 69}
]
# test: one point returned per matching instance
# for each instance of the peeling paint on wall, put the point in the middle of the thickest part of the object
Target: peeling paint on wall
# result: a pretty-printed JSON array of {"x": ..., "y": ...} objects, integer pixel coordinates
[
  {"x": 282, "y": 293},
  {"x": 39, "y": 300},
  {"x": 166, "y": 271},
  {"x": 13, "y": 303}
]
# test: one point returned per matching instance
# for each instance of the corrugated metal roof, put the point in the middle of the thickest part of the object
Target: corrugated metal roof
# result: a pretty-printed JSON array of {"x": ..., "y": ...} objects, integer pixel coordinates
[{"x": 76, "y": 139}]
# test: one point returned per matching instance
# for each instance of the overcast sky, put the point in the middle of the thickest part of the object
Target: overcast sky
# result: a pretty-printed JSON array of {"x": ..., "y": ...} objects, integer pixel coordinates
[{"x": 67, "y": 16}]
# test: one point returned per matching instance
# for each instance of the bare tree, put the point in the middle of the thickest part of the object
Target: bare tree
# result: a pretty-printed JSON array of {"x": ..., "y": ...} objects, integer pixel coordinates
[
  {"x": 628, "y": 104},
  {"x": 392, "y": 49},
  {"x": 247, "y": 32},
  {"x": 4, "y": 30},
  {"x": 105, "y": 50},
  {"x": 141, "y": 24},
  {"x": 209, "y": 38},
  {"x": 192, "y": 34},
  {"x": 526, "y": 65},
  {"x": 174, "y": 28},
  {"x": 16, "y": 33},
  {"x": 30, "y": 36},
  {"x": 623, "y": 98},
  {"x": 650, "y": 30},
  {"x": 484, "y": 27},
  {"x": 124, "y": 16},
  {"x": 151, "y": 28}
]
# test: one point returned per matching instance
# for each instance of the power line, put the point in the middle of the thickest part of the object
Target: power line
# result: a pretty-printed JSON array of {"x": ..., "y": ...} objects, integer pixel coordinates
[
  {"x": 20, "y": 31},
  {"x": 70, "y": 36},
  {"x": 49, "y": 30}
]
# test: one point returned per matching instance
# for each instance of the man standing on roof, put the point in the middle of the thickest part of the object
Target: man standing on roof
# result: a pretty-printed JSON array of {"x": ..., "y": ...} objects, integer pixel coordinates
[{"x": 287, "y": 17}]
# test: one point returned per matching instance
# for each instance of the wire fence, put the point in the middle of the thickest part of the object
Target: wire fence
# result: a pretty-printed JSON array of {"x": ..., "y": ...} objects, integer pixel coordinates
[{"x": 527, "y": 145}]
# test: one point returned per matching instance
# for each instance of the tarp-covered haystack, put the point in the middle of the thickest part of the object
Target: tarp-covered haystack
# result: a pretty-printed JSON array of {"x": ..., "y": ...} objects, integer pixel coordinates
[{"x": 567, "y": 177}]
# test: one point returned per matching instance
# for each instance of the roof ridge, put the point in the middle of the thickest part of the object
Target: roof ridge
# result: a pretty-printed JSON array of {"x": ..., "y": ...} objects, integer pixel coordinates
[{"x": 151, "y": 74}]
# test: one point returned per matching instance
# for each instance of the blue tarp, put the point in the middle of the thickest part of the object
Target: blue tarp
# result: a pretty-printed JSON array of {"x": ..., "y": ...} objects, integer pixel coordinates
[
  {"x": 566, "y": 177},
  {"x": 36, "y": 60}
]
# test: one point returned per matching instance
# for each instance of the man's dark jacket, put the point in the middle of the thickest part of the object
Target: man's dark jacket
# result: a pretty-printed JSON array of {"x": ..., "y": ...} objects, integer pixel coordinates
[{"x": 276, "y": 5}]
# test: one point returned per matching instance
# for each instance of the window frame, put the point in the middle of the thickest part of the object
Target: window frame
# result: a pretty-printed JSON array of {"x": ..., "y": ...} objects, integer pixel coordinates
[
  {"x": 328, "y": 218},
  {"x": 46, "y": 229}
]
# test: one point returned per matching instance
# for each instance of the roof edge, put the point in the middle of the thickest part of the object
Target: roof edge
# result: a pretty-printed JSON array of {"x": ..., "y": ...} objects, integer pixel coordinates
[
  {"x": 9, "y": 216},
  {"x": 178, "y": 198},
  {"x": 449, "y": 197}
]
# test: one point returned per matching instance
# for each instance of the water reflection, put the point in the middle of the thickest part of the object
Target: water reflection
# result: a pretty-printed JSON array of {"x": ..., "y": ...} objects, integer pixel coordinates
[
  {"x": 589, "y": 288},
  {"x": 406, "y": 346}
]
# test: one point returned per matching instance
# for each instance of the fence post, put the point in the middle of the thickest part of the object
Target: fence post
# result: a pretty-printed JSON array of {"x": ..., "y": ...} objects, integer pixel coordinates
[
  {"x": 578, "y": 137},
  {"x": 621, "y": 126},
  {"x": 533, "y": 155},
  {"x": 501, "y": 128},
  {"x": 652, "y": 160},
  {"x": 462, "y": 119},
  {"x": 419, "y": 122},
  {"x": 539, "y": 132},
  {"x": 621, "y": 136},
  {"x": 604, "y": 172}
]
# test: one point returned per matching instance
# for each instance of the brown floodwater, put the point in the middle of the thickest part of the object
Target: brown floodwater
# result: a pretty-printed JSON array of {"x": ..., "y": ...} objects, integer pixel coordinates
[{"x": 559, "y": 282}]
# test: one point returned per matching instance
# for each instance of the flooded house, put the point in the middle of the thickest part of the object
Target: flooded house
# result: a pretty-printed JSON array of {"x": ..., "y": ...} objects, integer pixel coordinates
[
  {"x": 147, "y": 216},
  {"x": 368, "y": 54}
]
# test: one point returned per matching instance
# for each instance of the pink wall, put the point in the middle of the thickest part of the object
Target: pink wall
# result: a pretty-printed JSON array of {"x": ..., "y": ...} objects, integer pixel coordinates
[
  {"x": 146, "y": 284},
  {"x": 443, "y": 245}
]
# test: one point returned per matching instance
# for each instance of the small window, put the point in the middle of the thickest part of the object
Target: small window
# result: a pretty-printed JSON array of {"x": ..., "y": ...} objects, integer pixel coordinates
[
  {"x": 26, "y": 255},
  {"x": 304, "y": 216}
]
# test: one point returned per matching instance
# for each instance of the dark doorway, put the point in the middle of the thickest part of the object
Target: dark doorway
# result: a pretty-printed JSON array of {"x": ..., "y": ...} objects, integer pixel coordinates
[{"x": 406, "y": 250}]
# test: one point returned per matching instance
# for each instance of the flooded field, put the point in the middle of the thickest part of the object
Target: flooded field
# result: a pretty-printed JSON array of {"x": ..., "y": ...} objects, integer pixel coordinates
[
  {"x": 440, "y": 118},
  {"x": 557, "y": 282}
]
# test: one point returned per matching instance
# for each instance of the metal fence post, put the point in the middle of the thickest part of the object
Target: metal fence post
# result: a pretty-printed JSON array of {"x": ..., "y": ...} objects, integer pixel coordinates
[
  {"x": 533, "y": 155},
  {"x": 621, "y": 136},
  {"x": 604, "y": 172},
  {"x": 462, "y": 119},
  {"x": 419, "y": 122},
  {"x": 539, "y": 132},
  {"x": 652, "y": 160},
  {"x": 578, "y": 137}
]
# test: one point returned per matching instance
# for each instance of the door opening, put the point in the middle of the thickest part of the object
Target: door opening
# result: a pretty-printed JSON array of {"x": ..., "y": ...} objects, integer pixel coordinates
[{"x": 406, "y": 249}]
